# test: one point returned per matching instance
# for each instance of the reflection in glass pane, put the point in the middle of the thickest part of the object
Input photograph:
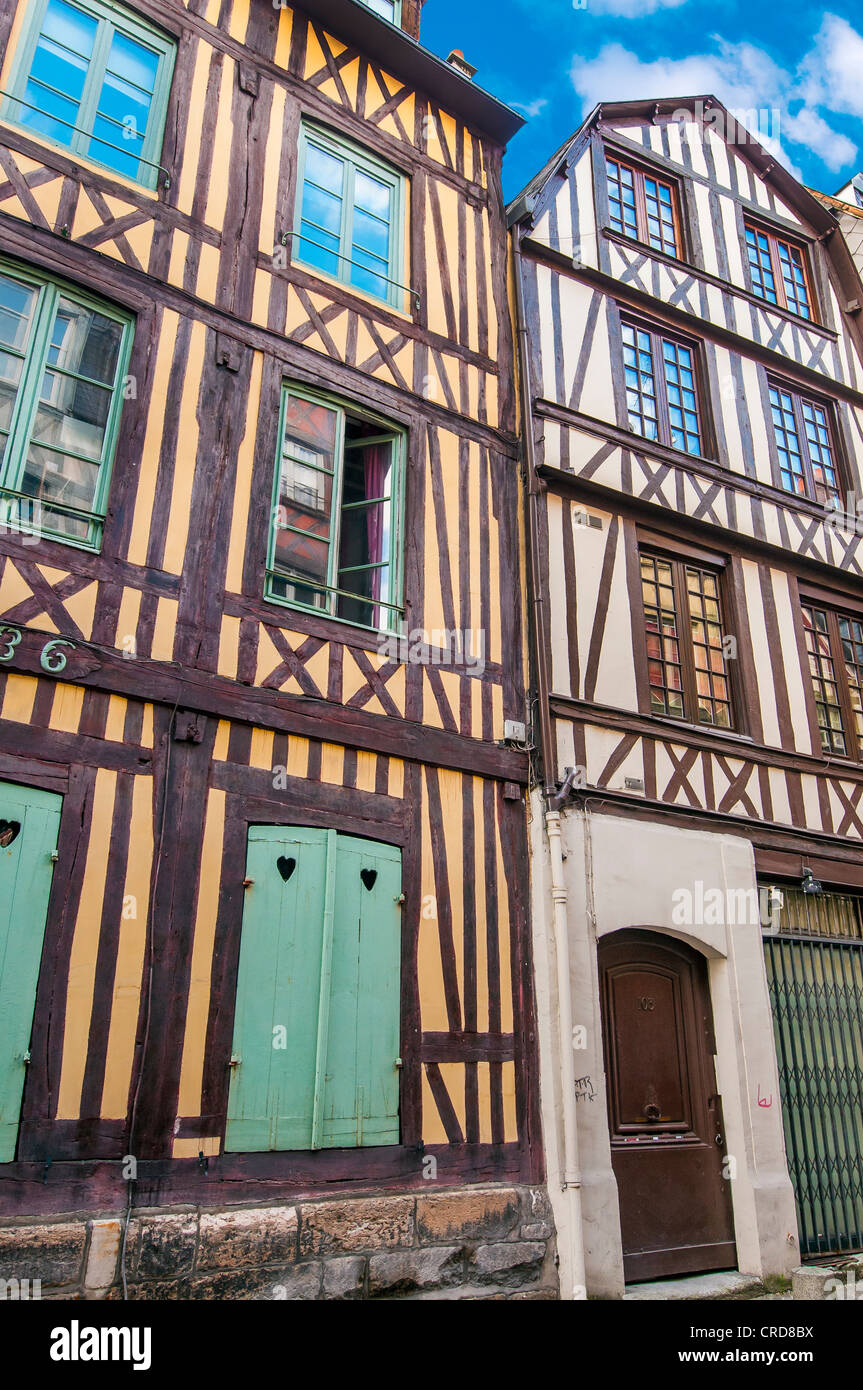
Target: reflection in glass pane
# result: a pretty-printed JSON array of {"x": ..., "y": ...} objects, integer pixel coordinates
[
  {"x": 85, "y": 342},
  {"x": 17, "y": 302},
  {"x": 54, "y": 476},
  {"x": 58, "y": 71}
]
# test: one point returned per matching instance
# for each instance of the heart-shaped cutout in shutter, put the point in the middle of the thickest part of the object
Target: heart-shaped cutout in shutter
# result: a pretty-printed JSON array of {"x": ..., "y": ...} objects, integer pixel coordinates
[
  {"x": 368, "y": 877},
  {"x": 9, "y": 831},
  {"x": 285, "y": 866}
]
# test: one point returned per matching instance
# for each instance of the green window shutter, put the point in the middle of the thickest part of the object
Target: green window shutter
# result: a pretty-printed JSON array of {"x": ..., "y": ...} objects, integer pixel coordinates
[
  {"x": 360, "y": 1091},
  {"x": 316, "y": 1028},
  {"x": 94, "y": 77},
  {"x": 26, "y": 869}
]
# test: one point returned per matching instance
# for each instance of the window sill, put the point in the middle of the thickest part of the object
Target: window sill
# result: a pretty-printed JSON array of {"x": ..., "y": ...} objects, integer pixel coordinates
[
  {"x": 381, "y": 633},
  {"x": 371, "y": 299},
  {"x": 103, "y": 170}
]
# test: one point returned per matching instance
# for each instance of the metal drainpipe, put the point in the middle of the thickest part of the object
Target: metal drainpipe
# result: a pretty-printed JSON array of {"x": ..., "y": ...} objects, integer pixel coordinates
[{"x": 571, "y": 1177}]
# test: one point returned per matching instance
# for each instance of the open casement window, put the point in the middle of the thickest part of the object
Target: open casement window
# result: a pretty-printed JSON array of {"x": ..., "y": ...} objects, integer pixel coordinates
[
  {"x": 644, "y": 206},
  {"x": 335, "y": 543},
  {"x": 63, "y": 359},
  {"x": 316, "y": 1029},
  {"x": 686, "y": 662},
  {"x": 805, "y": 445},
  {"x": 349, "y": 216},
  {"x": 662, "y": 389},
  {"x": 834, "y": 645},
  {"x": 94, "y": 77},
  {"x": 778, "y": 271}
]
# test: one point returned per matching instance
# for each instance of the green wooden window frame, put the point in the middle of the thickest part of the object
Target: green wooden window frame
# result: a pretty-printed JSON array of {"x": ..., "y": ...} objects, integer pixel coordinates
[
  {"x": 340, "y": 263},
  {"x": 329, "y": 594},
  {"x": 34, "y": 357},
  {"x": 317, "y": 1023},
  {"x": 112, "y": 20}
]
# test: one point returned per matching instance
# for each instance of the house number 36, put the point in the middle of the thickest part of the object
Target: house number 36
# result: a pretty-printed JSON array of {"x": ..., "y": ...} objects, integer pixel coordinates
[
  {"x": 51, "y": 658},
  {"x": 645, "y": 1003}
]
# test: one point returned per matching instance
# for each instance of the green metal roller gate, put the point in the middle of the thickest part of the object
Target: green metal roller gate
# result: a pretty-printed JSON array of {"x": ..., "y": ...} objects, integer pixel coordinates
[{"x": 814, "y": 953}]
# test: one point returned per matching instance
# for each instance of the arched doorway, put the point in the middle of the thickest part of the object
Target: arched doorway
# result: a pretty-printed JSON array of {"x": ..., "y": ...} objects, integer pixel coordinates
[{"x": 665, "y": 1117}]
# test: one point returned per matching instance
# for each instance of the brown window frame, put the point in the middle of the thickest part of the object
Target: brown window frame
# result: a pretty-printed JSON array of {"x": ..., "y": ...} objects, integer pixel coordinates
[
  {"x": 799, "y": 399},
  {"x": 642, "y": 232},
  {"x": 659, "y": 334},
  {"x": 775, "y": 238},
  {"x": 834, "y": 613},
  {"x": 682, "y": 559}
]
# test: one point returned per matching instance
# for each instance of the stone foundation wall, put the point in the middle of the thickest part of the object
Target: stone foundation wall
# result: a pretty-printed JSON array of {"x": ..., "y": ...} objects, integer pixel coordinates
[{"x": 490, "y": 1243}]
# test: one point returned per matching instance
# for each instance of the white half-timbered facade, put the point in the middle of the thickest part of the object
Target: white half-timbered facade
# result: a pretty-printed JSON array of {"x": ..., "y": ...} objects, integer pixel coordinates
[{"x": 692, "y": 362}]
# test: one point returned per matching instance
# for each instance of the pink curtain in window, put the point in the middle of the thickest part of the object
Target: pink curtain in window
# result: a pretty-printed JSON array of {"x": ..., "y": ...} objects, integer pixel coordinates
[{"x": 376, "y": 466}]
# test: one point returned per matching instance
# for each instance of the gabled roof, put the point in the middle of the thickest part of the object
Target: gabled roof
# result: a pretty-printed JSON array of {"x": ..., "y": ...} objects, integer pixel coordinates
[{"x": 789, "y": 189}]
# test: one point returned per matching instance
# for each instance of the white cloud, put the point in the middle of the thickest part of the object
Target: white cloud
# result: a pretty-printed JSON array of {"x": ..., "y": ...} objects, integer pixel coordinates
[
  {"x": 628, "y": 9},
  {"x": 745, "y": 79},
  {"x": 531, "y": 109},
  {"x": 833, "y": 70}
]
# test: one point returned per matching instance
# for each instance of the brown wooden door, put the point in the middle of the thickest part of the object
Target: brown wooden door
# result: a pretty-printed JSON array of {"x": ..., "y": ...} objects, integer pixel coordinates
[{"x": 665, "y": 1118}]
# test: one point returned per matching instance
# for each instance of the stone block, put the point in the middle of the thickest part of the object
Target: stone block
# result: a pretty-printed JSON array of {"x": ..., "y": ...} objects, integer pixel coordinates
[
  {"x": 161, "y": 1247},
  {"x": 344, "y": 1277},
  {"x": 51, "y": 1253},
  {"x": 511, "y": 1263},
  {"x": 106, "y": 1238},
  {"x": 248, "y": 1236},
  {"x": 363, "y": 1224},
  {"x": 404, "y": 1271},
  {"x": 478, "y": 1214}
]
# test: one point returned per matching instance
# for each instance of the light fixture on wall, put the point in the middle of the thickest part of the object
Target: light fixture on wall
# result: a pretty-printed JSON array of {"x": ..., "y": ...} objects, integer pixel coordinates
[{"x": 811, "y": 886}]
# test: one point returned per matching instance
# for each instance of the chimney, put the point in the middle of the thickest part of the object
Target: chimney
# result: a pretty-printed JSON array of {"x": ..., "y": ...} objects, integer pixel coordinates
[{"x": 458, "y": 61}]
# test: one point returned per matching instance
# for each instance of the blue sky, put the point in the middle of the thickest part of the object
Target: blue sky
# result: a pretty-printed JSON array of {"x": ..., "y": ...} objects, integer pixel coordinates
[{"x": 554, "y": 62}]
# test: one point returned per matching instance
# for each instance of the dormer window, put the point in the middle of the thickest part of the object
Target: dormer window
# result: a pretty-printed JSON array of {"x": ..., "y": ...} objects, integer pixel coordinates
[{"x": 643, "y": 206}]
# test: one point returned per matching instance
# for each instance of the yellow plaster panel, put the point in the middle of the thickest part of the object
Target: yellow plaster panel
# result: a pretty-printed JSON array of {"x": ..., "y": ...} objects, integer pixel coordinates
[
  {"x": 194, "y": 1045},
  {"x": 282, "y": 54},
  {"x": 332, "y": 763},
  {"x": 181, "y": 494},
  {"x": 366, "y": 768},
  {"x": 190, "y": 1148},
  {"x": 127, "y": 621},
  {"x": 18, "y": 698},
  {"x": 13, "y": 588},
  {"x": 261, "y": 752},
  {"x": 85, "y": 946},
  {"x": 66, "y": 708},
  {"x": 115, "y": 722},
  {"x": 82, "y": 606},
  {"x": 396, "y": 779},
  {"x": 220, "y": 747},
  {"x": 298, "y": 756},
  {"x": 150, "y": 458},
  {"x": 163, "y": 630},
  {"x": 130, "y": 954},
  {"x": 229, "y": 641}
]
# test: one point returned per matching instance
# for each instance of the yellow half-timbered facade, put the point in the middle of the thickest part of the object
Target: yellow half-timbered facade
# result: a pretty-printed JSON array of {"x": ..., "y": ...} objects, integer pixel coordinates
[{"x": 261, "y": 595}]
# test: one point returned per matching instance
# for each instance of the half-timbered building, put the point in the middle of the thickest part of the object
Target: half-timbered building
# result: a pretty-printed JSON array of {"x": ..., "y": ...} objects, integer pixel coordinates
[
  {"x": 693, "y": 392},
  {"x": 262, "y": 757}
]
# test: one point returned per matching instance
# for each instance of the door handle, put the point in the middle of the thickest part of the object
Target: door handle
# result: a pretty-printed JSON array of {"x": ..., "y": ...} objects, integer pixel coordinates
[{"x": 235, "y": 1061}]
